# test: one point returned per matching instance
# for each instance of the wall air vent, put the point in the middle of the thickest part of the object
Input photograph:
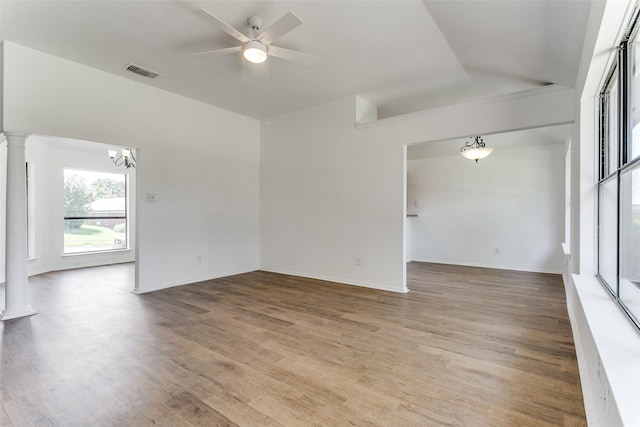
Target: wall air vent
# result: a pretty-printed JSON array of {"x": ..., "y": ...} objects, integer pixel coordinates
[{"x": 142, "y": 71}]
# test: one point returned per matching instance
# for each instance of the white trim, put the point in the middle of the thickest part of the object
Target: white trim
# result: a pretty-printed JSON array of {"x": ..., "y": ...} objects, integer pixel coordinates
[
  {"x": 337, "y": 280},
  {"x": 20, "y": 133},
  {"x": 44, "y": 270},
  {"x": 587, "y": 395},
  {"x": 497, "y": 267},
  {"x": 614, "y": 400},
  {"x": 98, "y": 252},
  {"x": 31, "y": 210},
  {"x": 485, "y": 101},
  {"x": 191, "y": 281},
  {"x": 14, "y": 314}
]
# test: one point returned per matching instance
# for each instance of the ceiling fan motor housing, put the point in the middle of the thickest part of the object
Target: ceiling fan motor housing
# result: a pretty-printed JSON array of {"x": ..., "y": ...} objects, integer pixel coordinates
[{"x": 255, "y": 22}]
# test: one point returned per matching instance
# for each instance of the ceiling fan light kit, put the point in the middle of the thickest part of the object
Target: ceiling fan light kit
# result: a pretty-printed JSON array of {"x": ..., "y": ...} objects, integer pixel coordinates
[{"x": 255, "y": 52}]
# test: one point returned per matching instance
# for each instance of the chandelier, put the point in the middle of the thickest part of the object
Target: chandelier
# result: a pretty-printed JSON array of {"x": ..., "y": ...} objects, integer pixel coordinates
[
  {"x": 124, "y": 158},
  {"x": 475, "y": 149}
]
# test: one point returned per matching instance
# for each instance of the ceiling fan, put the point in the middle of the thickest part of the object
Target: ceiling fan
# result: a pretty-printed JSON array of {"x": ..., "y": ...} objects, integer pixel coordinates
[{"x": 256, "y": 49}]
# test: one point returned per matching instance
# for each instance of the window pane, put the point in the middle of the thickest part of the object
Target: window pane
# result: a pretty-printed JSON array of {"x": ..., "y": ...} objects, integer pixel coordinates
[
  {"x": 612, "y": 125},
  {"x": 634, "y": 116},
  {"x": 85, "y": 236},
  {"x": 630, "y": 240},
  {"x": 95, "y": 211},
  {"x": 608, "y": 229}
]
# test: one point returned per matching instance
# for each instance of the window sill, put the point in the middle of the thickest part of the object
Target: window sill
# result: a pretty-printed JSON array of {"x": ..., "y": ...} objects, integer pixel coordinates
[
  {"x": 112, "y": 251},
  {"x": 618, "y": 345}
]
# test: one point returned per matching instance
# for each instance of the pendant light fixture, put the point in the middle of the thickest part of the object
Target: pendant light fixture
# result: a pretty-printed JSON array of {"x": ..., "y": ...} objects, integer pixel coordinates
[
  {"x": 475, "y": 149},
  {"x": 125, "y": 158}
]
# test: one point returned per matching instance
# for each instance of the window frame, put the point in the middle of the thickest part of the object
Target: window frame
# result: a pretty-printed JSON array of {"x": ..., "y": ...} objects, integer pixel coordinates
[
  {"x": 605, "y": 123},
  {"x": 620, "y": 70},
  {"x": 86, "y": 217}
]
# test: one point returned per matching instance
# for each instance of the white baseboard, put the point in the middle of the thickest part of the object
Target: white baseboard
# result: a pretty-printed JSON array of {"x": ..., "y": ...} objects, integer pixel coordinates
[
  {"x": 497, "y": 267},
  {"x": 33, "y": 271},
  {"x": 189, "y": 281},
  {"x": 336, "y": 280}
]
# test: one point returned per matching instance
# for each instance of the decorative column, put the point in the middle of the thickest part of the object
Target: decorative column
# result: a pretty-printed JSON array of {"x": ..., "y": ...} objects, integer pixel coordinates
[{"x": 16, "y": 277}]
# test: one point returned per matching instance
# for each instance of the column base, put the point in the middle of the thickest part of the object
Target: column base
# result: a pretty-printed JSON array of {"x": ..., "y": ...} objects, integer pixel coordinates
[{"x": 14, "y": 314}]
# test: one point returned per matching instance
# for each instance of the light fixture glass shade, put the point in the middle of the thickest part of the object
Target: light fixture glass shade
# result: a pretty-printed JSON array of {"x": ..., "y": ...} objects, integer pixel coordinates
[
  {"x": 476, "y": 153},
  {"x": 112, "y": 154},
  {"x": 475, "y": 149},
  {"x": 255, "y": 52},
  {"x": 126, "y": 153}
]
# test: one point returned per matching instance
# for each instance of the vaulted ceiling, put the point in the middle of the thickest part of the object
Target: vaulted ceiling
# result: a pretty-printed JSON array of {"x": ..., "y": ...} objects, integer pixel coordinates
[{"x": 402, "y": 55}]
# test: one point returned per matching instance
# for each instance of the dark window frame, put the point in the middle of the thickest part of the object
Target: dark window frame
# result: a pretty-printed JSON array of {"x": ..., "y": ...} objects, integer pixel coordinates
[{"x": 620, "y": 70}]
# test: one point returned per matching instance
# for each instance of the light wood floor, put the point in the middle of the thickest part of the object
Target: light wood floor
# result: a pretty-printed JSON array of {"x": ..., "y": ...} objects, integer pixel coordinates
[{"x": 466, "y": 347}]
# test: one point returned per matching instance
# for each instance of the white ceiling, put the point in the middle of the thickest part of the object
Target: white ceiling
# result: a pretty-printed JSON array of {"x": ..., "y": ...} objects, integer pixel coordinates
[{"x": 403, "y": 55}]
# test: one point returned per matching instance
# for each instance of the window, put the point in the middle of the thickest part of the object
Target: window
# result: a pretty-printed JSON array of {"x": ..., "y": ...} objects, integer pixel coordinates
[
  {"x": 95, "y": 217},
  {"x": 619, "y": 183},
  {"x": 608, "y": 233},
  {"x": 630, "y": 239}
]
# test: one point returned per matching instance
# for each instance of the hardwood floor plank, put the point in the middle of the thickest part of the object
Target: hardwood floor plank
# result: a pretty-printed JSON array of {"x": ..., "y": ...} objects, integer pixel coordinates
[
  {"x": 5, "y": 421},
  {"x": 28, "y": 410},
  {"x": 196, "y": 411},
  {"x": 238, "y": 411},
  {"x": 466, "y": 346}
]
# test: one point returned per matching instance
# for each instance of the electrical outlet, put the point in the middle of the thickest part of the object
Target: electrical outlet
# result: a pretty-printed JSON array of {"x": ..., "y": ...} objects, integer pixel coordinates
[
  {"x": 496, "y": 251},
  {"x": 198, "y": 259},
  {"x": 150, "y": 197},
  {"x": 357, "y": 260}
]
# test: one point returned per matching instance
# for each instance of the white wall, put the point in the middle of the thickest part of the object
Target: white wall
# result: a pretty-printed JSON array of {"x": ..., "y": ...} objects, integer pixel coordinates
[
  {"x": 332, "y": 192},
  {"x": 328, "y": 196},
  {"x": 512, "y": 201},
  {"x": 202, "y": 162}
]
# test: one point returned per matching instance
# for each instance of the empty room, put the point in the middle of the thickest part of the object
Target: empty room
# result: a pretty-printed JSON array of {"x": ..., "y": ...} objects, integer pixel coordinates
[{"x": 253, "y": 213}]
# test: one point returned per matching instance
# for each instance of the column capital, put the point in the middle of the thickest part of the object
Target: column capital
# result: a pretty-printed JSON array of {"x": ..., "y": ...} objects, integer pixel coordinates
[{"x": 15, "y": 137}]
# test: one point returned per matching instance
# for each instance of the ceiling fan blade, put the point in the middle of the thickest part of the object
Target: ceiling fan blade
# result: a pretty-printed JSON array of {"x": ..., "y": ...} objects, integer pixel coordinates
[
  {"x": 227, "y": 28},
  {"x": 282, "y": 26},
  {"x": 219, "y": 51},
  {"x": 292, "y": 55}
]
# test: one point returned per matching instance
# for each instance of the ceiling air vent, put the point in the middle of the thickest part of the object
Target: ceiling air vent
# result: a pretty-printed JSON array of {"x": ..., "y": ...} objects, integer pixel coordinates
[{"x": 142, "y": 71}]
